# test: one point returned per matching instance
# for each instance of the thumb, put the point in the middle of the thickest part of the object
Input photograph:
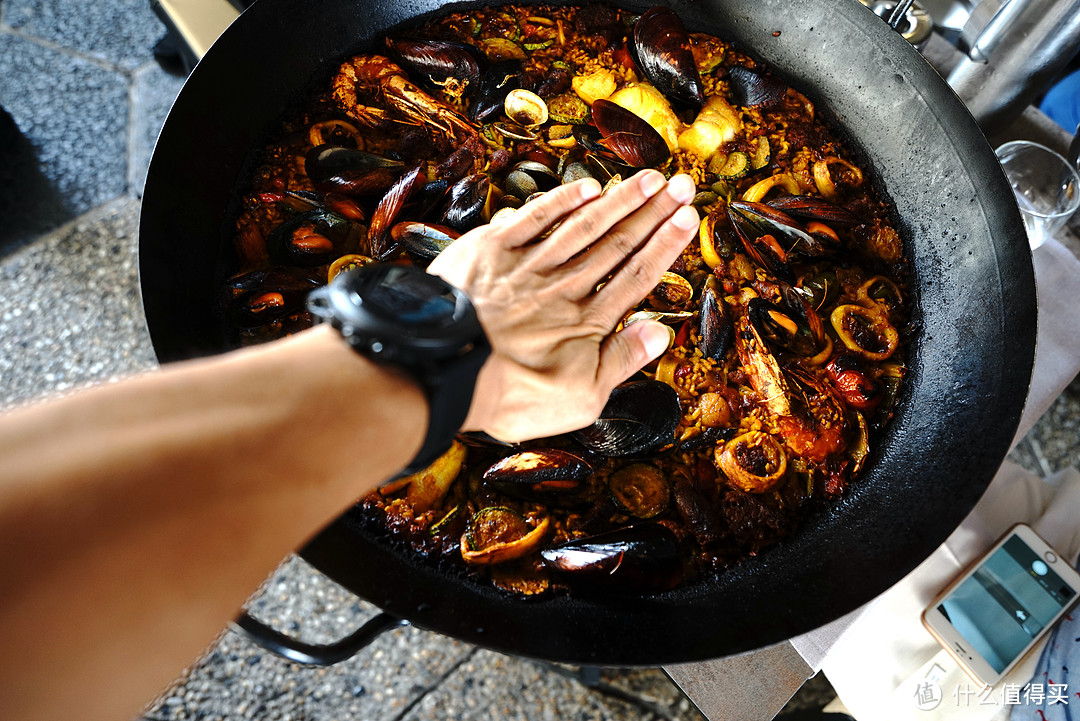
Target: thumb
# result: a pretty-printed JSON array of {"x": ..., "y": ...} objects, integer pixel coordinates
[{"x": 625, "y": 352}]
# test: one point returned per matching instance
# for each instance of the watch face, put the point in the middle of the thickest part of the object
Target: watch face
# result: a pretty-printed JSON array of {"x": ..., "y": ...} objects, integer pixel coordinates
[{"x": 410, "y": 298}]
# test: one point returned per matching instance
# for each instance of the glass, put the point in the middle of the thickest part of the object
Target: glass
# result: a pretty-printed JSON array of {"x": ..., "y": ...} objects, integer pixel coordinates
[{"x": 1046, "y": 186}]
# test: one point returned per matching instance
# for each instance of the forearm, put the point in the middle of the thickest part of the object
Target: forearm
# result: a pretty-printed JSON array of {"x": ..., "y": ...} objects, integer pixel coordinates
[{"x": 138, "y": 517}]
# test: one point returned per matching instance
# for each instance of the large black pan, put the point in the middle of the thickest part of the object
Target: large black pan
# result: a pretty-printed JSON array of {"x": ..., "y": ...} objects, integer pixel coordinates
[{"x": 972, "y": 283}]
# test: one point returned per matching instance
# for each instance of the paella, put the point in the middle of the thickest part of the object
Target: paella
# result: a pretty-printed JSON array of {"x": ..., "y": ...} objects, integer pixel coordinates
[{"x": 788, "y": 314}]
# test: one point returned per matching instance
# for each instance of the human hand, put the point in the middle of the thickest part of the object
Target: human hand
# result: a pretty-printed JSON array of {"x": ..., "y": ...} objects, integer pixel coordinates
[{"x": 555, "y": 357}]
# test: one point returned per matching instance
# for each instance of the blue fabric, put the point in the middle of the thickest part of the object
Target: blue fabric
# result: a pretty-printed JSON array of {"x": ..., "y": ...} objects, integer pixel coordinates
[
  {"x": 1062, "y": 104},
  {"x": 1051, "y": 694}
]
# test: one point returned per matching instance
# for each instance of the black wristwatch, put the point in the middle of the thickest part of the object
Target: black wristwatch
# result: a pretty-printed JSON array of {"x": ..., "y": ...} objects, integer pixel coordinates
[{"x": 402, "y": 316}]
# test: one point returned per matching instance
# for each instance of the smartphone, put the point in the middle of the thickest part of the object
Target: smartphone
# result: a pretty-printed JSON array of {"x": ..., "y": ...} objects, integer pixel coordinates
[{"x": 994, "y": 612}]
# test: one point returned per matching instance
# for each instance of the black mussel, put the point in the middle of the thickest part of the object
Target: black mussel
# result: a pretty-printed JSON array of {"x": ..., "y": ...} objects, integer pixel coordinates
[
  {"x": 454, "y": 68},
  {"x": 644, "y": 558},
  {"x": 309, "y": 239},
  {"x": 496, "y": 84},
  {"x": 661, "y": 49},
  {"x": 465, "y": 204},
  {"x": 755, "y": 89},
  {"x": 348, "y": 170},
  {"x": 765, "y": 219},
  {"x": 811, "y": 208},
  {"x": 632, "y": 139},
  {"x": 639, "y": 417},
  {"x": 259, "y": 297},
  {"x": 716, "y": 328},
  {"x": 428, "y": 200},
  {"x": 386, "y": 213},
  {"x": 543, "y": 474},
  {"x": 423, "y": 240},
  {"x": 795, "y": 327}
]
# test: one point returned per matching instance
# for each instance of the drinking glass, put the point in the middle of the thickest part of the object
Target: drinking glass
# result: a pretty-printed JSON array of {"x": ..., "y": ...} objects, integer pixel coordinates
[{"x": 1046, "y": 186}]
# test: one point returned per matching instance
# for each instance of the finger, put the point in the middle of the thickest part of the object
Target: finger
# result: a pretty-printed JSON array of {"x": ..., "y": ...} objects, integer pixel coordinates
[
  {"x": 588, "y": 224},
  {"x": 628, "y": 235},
  {"x": 626, "y": 352},
  {"x": 642, "y": 270},
  {"x": 537, "y": 216}
]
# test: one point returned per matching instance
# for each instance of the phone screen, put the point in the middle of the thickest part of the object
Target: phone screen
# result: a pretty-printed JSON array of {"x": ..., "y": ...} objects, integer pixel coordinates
[{"x": 1006, "y": 602}]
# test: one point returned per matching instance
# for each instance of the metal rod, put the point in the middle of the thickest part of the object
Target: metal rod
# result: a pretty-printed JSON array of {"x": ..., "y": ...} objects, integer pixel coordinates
[{"x": 898, "y": 12}]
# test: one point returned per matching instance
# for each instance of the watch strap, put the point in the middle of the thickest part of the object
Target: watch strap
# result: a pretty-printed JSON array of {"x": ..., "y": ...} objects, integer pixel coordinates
[{"x": 449, "y": 394}]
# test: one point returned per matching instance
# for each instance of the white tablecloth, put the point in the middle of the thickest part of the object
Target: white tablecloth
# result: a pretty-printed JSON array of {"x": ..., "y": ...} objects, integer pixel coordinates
[{"x": 876, "y": 655}]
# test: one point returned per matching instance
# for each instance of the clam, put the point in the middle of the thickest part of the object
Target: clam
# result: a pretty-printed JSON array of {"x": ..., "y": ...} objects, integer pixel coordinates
[
  {"x": 525, "y": 108},
  {"x": 520, "y": 184},
  {"x": 661, "y": 49},
  {"x": 575, "y": 171},
  {"x": 515, "y": 131},
  {"x": 639, "y": 417},
  {"x": 644, "y": 558},
  {"x": 673, "y": 291}
]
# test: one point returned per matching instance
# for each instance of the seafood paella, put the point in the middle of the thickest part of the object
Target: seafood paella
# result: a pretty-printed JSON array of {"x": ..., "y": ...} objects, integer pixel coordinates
[{"x": 788, "y": 315}]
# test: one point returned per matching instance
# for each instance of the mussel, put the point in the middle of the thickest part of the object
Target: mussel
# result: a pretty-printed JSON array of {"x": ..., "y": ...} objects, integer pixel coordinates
[
  {"x": 424, "y": 240},
  {"x": 498, "y": 80},
  {"x": 639, "y": 417},
  {"x": 795, "y": 327},
  {"x": 812, "y": 208},
  {"x": 310, "y": 239},
  {"x": 465, "y": 202},
  {"x": 643, "y": 558},
  {"x": 545, "y": 474},
  {"x": 632, "y": 139},
  {"x": 661, "y": 49},
  {"x": 715, "y": 327},
  {"x": 755, "y": 89},
  {"x": 385, "y": 215},
  {"x": 259, "y": 297},
  {"x": 333, "y": 168},
  {"x": 454, "y": 68}
]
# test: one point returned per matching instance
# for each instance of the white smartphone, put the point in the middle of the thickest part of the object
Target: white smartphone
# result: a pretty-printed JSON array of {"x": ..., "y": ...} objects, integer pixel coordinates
[{"x": 994, "y": 612}]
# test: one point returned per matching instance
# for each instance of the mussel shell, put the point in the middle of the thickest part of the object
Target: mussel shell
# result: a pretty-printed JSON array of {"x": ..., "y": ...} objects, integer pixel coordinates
[
  {"x": 423, "y": 239},
  {"x": 465, "y": 204},
  {"x": 644, "y": 558},
  {"x": 323, "y": 163},
  {"x": 387, "y": 211},
  {"x": 455, "y": 68},
  {"x": 330, "y": 226},
  {"x": 497, "y": 81},
  {"x": 755, "y": 89},
  {"x": 241, "y": 296},
  {"x": 543, "y": 474},
  {"x": 716, "y": 328},
  {"x": 661, "y": 49},
  {"x": 639, "y": 417},
  {"x": 631, "y": 138},
  {"x": 812, "y": 208}
]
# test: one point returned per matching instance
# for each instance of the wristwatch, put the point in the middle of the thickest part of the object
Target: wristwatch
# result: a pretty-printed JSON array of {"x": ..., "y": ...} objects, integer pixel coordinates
[{"x": 401, "y": 316}]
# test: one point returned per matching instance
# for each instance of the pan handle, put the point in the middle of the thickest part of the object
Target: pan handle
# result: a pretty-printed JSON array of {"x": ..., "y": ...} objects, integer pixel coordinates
[{"x": 316, "y": 654}]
